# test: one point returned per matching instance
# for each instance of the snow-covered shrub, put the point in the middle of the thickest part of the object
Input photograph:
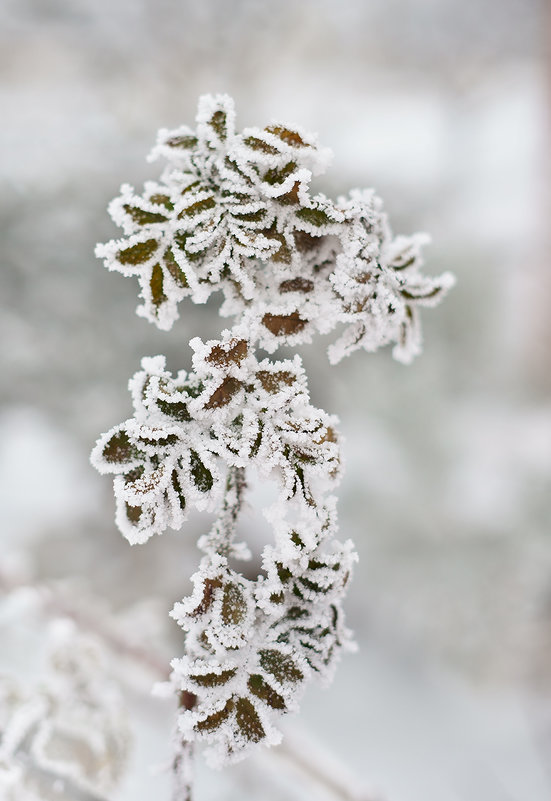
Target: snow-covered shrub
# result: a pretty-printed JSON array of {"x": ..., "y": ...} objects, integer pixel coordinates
[
  {"x": 233, "y": 212},
  {"x": 65, "y": 735}
]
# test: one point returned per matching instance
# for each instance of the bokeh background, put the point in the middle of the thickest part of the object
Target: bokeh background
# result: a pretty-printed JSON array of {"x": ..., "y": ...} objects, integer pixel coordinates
[{"x": 442, "y": 106}]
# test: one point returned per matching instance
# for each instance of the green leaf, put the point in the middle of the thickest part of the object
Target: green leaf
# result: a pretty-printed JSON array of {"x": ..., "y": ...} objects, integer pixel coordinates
[
  {"x": 119, "y": 449},
  {"x": 275, "y": 176},
  {"x": 315, "y": 217},
  {"x": 418, "y": 293},
  {"x": 214, "y": 679},
  {"x": 138, "y": 254},
  {"x": 259, "y": 144},
  {"x": 156, "y": 285},
  {"x": 250, "y": 216},
  {"x": 218, "y": 122},
  {"x": 176, "y": 409},
  {"x": 311, "y": 585},
  {"x": 234, "y": 606},
  {"x": 142, "y": 217},
  {"x": 296, "y": 612},
  {"x": 174, "y": 269},
  {"x": 180, "y": 238},
  {"x": 262, "y": 690},
  {"x": 280, "y": 666},
  {"x": 248, "y": 721},
  {"x": 258, "y": 441},
  {"x": 162, "y": 200},
  {"x": 198, "y": 207},
  {"x": 202, "y": 477},
  {"x": 183, "y": 141},
  {"x": 178, "y": 489},
  {"x": 284, "y": 574},
  {"x": 296, "y": 540}
]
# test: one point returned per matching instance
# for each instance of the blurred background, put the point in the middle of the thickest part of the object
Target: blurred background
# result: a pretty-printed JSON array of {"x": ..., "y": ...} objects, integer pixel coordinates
[{"x": 440, "y": 105}]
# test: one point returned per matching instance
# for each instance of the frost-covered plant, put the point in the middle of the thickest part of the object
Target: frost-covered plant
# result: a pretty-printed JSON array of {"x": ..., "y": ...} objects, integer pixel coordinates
[
  {"x": 69, "y": 728},
  {"x": 233, "y": 212}
]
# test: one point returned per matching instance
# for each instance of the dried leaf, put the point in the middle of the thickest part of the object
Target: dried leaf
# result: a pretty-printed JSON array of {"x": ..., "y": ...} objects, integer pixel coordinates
[{"x": 283, "y": 324}]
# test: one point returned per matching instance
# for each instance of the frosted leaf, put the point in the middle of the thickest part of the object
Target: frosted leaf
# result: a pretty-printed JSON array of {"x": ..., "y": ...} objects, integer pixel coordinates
[{"x": 170, "y": 466}]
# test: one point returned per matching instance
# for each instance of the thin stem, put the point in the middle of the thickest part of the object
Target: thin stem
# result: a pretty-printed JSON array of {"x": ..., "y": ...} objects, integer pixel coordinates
[
  {"x": 221, "y": 536},
  {"x": 182, "y": 775}
]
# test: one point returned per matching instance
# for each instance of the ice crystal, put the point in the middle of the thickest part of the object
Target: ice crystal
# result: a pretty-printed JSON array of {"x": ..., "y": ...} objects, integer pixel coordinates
[{"x": 234, "y": 212}]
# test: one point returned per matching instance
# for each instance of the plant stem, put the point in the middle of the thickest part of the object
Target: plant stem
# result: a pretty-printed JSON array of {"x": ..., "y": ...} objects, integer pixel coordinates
[
  {"x": 220, "y": 538},
  {"x": 182, "y": 778}
]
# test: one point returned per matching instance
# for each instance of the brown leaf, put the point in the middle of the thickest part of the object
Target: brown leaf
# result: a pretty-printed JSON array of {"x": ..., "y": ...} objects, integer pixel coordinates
[
  {"x": 259, "y": 144},
  {"x": 224, "y": 356},
  {"x": 296, "y": 285},
  {"x": 306, "y": 242},
  {"x": 209, "y": 587},
  {"x": 272, "y": 382},
  {"x": 133, "y": 513},
  {"x": 224, "y": 393},
  {"x": 284, "y": 325},
  {"x": 287, "y": 135}
]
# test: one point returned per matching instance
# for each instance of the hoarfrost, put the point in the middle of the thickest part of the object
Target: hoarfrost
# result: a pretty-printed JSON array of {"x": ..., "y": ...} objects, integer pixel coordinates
[{"x": 233, "y": 212}]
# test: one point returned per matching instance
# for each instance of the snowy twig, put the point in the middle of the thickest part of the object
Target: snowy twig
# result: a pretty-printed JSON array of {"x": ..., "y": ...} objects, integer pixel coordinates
[{"x": 182, "y": 780}]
